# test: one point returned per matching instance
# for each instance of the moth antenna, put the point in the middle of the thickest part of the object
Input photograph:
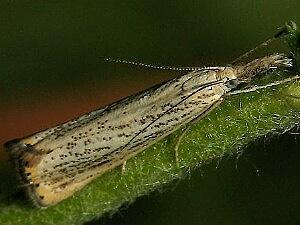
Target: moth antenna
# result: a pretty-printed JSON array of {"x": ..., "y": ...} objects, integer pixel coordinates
[{"x": 140, "y": 64}]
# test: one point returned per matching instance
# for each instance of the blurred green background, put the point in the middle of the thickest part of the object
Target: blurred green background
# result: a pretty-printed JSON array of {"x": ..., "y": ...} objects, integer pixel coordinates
[{"x": 51, "y": 71}]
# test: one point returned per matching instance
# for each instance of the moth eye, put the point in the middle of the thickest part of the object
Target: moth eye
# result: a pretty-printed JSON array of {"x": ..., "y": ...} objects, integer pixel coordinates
[{"x": 231, "y": 83}]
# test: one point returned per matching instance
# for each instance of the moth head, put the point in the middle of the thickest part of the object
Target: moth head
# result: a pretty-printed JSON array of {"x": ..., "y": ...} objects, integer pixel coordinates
[
  {"x": 231, "y": 83},
  {"x": 229, "y": 78},
  {"x": 262, "y": 66}
]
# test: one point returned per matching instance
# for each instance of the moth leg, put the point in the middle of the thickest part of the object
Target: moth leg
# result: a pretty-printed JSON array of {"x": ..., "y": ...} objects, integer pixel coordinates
[
  {"x": 178, "y": 141},
  {"x": 123, "y": 168},
  {"x": 255, "y": 88},
  {"x": 189, "y": 125}
]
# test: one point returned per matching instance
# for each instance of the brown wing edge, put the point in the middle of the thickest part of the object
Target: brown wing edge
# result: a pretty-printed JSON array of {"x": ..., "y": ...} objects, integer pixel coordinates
[{"x": 24, "y": 156}]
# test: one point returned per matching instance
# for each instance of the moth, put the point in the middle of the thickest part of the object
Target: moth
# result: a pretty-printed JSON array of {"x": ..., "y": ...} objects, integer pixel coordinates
[{"x": 55, "y": 163}]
